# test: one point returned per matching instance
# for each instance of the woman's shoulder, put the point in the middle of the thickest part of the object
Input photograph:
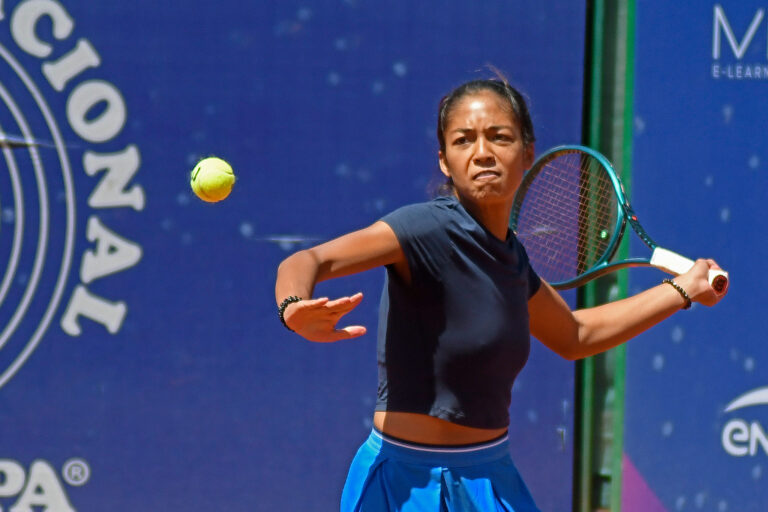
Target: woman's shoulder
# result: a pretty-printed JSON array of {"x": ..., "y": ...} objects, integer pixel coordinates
[
  {"x": 433, "y": 207},
  {"x": 421, "y": 218}
]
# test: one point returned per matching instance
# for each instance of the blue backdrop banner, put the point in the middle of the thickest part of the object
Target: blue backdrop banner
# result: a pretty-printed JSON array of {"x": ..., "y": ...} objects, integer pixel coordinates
[
  {"x": 696, "y": 388},
  {"x": 142, "y": 365}
]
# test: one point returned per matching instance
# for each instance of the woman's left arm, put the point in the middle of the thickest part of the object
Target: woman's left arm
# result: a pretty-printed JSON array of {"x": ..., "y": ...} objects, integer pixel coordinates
[{"x": 586, "y": 332}]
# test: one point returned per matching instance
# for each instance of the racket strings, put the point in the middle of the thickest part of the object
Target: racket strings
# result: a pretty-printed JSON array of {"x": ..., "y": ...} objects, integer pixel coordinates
[{"x": 567, "y": 218}]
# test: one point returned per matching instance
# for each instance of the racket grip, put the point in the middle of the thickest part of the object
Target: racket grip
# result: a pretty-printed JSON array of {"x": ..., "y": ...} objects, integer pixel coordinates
[
  {"x": 718, "y": 279},
  {"x": 676, "y": 264}
]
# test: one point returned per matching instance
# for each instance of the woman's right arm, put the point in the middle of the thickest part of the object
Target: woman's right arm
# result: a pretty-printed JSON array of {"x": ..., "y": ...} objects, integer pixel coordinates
[{"x": 297, "y": 275}]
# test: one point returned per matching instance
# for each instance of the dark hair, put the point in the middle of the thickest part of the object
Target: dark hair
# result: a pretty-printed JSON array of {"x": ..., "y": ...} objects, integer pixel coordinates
[{"x": 502, "y": 89}]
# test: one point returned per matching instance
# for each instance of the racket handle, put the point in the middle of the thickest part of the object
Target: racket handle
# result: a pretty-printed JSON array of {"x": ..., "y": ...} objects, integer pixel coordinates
[{"x": 676, "y": 264}]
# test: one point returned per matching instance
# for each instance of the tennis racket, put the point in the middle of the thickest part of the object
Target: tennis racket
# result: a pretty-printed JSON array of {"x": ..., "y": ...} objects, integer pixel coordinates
[{"x": 570, "y": 214}]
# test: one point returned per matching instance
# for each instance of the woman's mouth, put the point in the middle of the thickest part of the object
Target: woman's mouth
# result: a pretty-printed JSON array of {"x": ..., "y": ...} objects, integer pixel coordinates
[{"x": 486, "y": 175}]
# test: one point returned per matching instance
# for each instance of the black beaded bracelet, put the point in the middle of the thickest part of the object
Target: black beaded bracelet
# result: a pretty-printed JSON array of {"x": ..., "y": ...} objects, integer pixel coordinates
[
  {"x": 680, "y": 291},
  {"x": 281, "y": 308}
]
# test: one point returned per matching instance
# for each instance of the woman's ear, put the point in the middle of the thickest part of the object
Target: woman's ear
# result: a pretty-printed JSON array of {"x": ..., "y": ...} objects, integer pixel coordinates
[{"x": 443, "y": 164}]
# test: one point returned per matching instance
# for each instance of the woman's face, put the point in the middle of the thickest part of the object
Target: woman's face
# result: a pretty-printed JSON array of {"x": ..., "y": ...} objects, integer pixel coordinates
[{"x": 484, "y": 151}]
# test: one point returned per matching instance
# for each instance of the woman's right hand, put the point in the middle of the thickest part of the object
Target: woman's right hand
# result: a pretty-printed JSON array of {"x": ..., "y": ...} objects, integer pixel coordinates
[{"x": 316, "y": 319}]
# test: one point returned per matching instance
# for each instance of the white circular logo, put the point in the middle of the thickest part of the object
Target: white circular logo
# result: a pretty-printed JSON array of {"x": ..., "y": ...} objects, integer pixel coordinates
[
  {"x": 76, "y": 472},
  {"x": 40, "y": 83}
]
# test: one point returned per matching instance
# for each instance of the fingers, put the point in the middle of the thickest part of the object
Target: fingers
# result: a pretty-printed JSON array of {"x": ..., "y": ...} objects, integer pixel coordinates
[
  {"x": 713, "y": 264},
  {"x": 340, "y": 304},
  {"x": 323, "y": 306},
  {"x": 315, "y": 319},
  {"x": 702, "y": 265},
  {"x": 710, "y": 264},
  {"x": 332, "y": 334},
  {"x": 344, "y": 304},
  {"x": 351, "y": 331}
]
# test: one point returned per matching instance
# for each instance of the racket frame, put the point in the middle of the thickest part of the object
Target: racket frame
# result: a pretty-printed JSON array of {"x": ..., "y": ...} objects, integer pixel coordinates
[{"x": 661, "y": 258}]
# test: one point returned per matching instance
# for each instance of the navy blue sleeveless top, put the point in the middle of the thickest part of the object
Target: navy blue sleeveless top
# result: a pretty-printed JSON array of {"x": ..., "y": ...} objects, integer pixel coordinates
[{"x": 451, "y": 343}]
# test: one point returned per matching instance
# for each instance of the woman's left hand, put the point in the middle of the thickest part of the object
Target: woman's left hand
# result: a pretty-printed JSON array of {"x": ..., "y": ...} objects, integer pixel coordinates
[{"x": 696, "y": 283}]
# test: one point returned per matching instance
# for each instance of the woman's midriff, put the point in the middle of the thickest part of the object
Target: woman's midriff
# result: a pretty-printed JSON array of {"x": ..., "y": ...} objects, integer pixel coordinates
[{"x": 420, "y": 428}]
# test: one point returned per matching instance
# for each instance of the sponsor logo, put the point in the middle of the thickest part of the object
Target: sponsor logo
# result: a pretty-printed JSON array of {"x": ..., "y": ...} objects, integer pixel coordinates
[
  {"x": 735, "y": 55},
  {"x": 47, "y": 84},
  {"x": 742, "y": 438},
  {"x": 41, "y": 488}
]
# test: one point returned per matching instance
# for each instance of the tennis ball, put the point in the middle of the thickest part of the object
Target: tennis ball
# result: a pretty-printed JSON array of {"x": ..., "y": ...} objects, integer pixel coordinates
[{"x": 212, "y": 179}]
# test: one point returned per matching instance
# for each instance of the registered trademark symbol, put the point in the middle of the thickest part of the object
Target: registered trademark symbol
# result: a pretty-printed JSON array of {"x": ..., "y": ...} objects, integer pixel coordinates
[{"x": 76, "y": 472}]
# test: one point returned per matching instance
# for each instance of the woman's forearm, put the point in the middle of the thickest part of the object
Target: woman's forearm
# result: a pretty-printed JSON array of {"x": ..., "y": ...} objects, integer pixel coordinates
[
  {"x": 608, "y": 325},
  {"x": 586, "y": 332}
]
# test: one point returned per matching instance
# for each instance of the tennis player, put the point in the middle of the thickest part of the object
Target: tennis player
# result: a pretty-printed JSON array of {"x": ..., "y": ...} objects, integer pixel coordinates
[{"x": 458, "y": 308}]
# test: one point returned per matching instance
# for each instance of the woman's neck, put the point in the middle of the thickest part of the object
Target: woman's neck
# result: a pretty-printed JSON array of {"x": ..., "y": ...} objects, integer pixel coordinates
[{"x": 493, "y": 217}]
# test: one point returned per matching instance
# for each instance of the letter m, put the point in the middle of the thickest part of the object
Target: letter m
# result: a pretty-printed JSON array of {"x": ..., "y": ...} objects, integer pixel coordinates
[{"x": 721, "y": 22}]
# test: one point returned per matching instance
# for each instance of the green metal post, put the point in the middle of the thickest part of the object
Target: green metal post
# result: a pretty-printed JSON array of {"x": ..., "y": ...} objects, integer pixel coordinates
[{"x": 600, "y": 380}]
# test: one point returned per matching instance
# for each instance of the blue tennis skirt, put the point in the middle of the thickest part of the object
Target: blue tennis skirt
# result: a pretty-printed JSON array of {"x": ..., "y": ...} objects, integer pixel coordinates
[{"x": 391, "y": 475}]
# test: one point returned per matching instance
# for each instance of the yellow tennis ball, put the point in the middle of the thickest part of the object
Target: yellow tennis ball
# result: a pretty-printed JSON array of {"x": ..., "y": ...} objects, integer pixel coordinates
[{"x": 212, "y": 179}]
